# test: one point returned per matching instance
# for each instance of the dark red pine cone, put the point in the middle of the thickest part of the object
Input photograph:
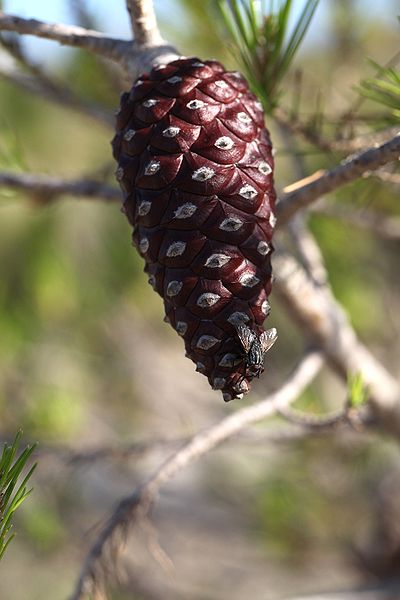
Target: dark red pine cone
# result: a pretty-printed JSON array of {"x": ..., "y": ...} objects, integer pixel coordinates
[{"x": 196, "y": 168}]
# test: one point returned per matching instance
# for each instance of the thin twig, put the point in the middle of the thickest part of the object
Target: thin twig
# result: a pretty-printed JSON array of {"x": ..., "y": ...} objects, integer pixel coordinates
[
  {"x": 144, "y": 22},
  {"x": 302, "y": 193},
  {"x": 136, "y": 506},
  {"x": 323, "y": 320},
  {"x": 297, "y": 429},
  {"x": 345, "y": 145},
  {"x": 295, "y": 126},
  {"x": 44, "y": 188},
  {"x": 134, "y": 59},
  {"x": 69, "y": 35},
  {"x": 332, "y": 421},
  {"x": 305, "y": 244},
  {"x": 311, "y": 257}
]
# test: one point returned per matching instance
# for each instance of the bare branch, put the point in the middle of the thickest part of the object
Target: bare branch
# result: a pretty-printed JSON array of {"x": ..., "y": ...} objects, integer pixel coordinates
[
  {"x": 300, "y": 425},
  {"x": 316, "y": 311},
  {"x": 136, "y": 506},
  {"x": 302, "y": 193},
  {"x": 342, "y": 145},
  {"x": 305, "y": 244},
  {"x": 69, "y": 35},
  {"x": 310, "y": 300},
  {"x": 305, "y": 130},
  {"x": 44, "y": 188},
  {"x": 134, "y": 59},
  {"x": 144, "y": 22},
  {"x": 347, "y": 415}
]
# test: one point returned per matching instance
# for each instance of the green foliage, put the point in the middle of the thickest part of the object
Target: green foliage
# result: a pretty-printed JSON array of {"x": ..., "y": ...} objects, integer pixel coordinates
[
  {"x": 266, "y": 48},
  {"x": 43, "y": 526},
  {"x": 384, "y": 89},
  {"x": 12, "y": 493},
  {"x": 55, "y": 412},
  {"x": 357, "y": 392}
]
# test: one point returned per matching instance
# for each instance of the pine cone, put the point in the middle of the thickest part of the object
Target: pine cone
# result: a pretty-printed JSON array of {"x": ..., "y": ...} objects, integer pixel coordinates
[{"x": 195, "y": 166}]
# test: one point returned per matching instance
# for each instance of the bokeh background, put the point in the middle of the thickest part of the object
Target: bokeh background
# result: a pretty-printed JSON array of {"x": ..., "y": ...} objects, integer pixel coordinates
[{"x": 86, "y": 361}]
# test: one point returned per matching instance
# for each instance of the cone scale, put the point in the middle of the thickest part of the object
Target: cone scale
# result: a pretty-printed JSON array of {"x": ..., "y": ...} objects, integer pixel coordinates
[{"x": 195, "y": 166}]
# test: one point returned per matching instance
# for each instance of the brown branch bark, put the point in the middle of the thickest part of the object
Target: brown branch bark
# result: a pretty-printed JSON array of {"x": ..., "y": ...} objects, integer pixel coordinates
[
  {"x": 136, "y": 506},
  {"x": 43, "y": 188},
  {"x": 302, "y": 193}
]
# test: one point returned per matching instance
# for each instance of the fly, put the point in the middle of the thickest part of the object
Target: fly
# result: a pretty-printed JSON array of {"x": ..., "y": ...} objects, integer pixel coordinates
[{"x": 255, "y": 347}]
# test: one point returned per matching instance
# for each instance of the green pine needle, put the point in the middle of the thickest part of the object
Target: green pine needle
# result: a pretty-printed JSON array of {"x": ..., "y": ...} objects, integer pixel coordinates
[
  {"x": 12, "y": 493},
  {"x": 383, "y": 89},
  {"x": 262, "y": 41}
]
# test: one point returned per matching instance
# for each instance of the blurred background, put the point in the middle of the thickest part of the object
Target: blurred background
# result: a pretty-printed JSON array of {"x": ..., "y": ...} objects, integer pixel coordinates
[{"x": 86, "y": 361}]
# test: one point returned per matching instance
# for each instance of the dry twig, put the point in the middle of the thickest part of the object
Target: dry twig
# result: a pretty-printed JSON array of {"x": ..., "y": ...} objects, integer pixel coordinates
[
  {"x": 44, "y": 188},
  {"x": 301, "y": 425},
  {"x": 297, "y": 196},
  {"x": 136, "y": 506},
  {"x": 302, "y": 193},
  {"x": 133, "y": 57},
  {"x": 323, "y": 320},
  {"x": 346, "y": 145}
]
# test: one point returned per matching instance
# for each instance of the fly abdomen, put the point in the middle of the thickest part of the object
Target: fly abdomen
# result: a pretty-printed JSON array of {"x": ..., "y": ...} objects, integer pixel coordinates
[{"x": 255, "y": 356}]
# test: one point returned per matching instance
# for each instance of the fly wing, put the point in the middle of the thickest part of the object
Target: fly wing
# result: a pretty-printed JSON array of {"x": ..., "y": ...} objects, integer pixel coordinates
[
  {"x": 268, "y": 339},
  {"x": 245, "y": 335}
]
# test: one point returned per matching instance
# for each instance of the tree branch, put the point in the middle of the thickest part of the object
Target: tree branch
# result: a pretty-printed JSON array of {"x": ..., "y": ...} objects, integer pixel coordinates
[
  {"x": 302, "y": 193},
  {"x": 299, "y": 425},
  {"x": 69, "y": 35},
  {"x": 137, "y": 505},
  {"x": 343, "y": 145},
  {"x": 144, "y": 22},
  {"x": 305, "y": 244},
  {"x": 319, "y": 315},
  {"x": 44, "y": 188},
  {"x": 132, "y": 57}
]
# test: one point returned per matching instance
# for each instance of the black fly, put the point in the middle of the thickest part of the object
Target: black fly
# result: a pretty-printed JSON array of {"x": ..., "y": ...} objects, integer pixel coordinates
[{"x": 255, "y": 347}]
